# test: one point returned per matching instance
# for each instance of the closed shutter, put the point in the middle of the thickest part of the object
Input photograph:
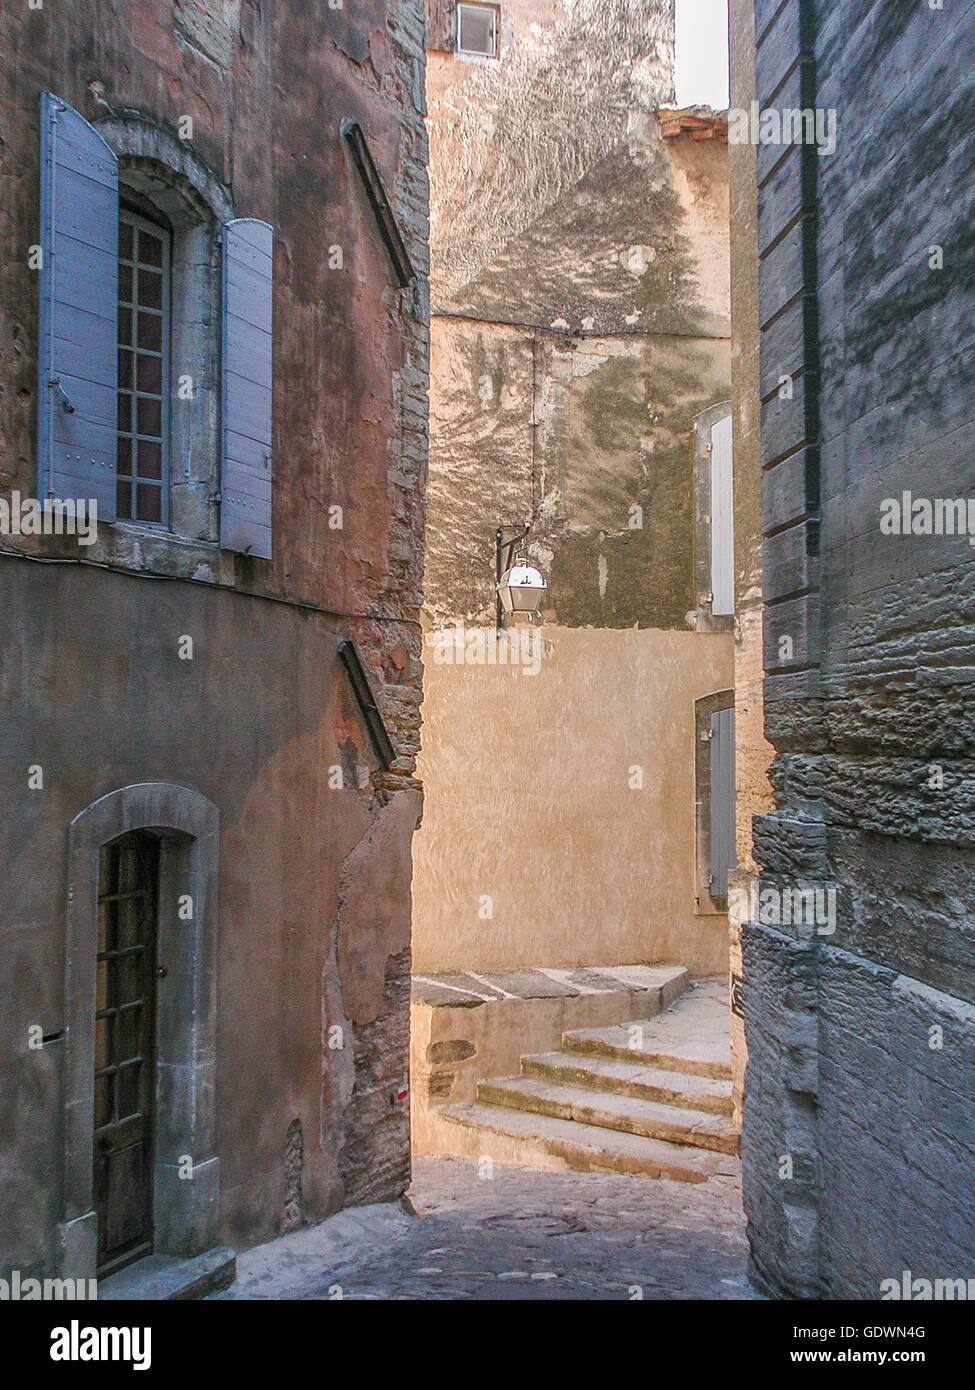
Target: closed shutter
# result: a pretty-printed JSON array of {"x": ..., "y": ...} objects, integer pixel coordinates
[
  {"x": 722, "y": 521},
  {"x": 442, "y": 26},
  {"x": 77, "y": 346},
  {"x": 723, "y": 856},
  {"x": 245, "y": 489}
]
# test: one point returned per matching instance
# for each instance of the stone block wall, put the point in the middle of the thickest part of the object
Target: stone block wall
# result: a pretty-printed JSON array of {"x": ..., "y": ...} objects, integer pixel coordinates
[{"x": 859, "y": 1104}]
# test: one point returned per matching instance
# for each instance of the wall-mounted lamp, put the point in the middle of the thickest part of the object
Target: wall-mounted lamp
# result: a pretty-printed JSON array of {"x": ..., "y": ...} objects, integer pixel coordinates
[{"x": 520, "y": 585}]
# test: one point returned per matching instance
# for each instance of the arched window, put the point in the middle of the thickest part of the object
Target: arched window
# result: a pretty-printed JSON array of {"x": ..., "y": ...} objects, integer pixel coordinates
[{"x": 155, "y": 347}]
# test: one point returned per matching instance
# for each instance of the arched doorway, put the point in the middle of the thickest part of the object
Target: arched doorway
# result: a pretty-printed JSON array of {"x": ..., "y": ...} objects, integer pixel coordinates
[{"x": 140, "y": 1170}]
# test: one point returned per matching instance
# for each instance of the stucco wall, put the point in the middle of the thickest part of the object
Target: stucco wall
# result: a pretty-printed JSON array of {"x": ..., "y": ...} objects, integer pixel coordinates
[
  {"x": 580, "y": 322},
  {"x": 579, "y": 288},
  {"x": 98, "y": 698},
  {"x": 534, "y": 809},
  {"x": 511, "y": 139},
  {"x": 597, "y": 435}
]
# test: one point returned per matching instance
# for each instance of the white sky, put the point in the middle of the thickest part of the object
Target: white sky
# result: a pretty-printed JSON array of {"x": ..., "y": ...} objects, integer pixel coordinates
[{"x": 702, "y": 53}]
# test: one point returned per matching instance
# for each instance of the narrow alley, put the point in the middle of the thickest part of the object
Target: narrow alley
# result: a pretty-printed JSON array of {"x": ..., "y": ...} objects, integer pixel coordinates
[
  {"x": 483, "y": 1232},
  {"x": 487, "y": 673}
]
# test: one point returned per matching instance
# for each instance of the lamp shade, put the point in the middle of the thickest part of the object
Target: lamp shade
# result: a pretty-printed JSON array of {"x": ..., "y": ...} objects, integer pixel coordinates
[{"x": 521, "y": 588}]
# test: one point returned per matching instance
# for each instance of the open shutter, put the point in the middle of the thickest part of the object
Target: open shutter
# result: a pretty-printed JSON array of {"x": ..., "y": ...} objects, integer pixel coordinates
[
  {"x": 441, "y": 26},
  {"x": 78, "y": 339},
  {"x": 722, "y": 521},
  {"x": 245, "y": 489},
  {"x": 723, "y": 856}
]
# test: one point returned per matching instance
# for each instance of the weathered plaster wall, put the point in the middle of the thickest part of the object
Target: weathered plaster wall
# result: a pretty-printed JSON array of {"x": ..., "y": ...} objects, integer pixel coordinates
[
  {"x": 585, "y": 430},
  {"x": 534, "y": 808},
  {"x": 313, "y": 886},
  {"x": 860, "y": 1039},
  {"x": 314, "y": 881},
  {"x": 580, "y": 323},
  {"x": 580, "y": 313},
  {"x": 511, "y": 139}
]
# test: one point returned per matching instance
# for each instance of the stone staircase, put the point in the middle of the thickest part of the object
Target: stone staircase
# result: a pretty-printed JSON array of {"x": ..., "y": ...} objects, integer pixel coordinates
[{"x": 651, "y": 1096}]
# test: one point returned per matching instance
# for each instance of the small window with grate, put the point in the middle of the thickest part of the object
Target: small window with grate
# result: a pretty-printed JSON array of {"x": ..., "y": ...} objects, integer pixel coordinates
[
  {"x": 143, "y": 369},
  {"x": 477, "y": 29}
]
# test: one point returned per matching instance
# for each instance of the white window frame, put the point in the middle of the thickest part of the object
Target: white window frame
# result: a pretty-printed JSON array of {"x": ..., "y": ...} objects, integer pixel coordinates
[
  {"x": 476, "y": 52},
  {"x": 164, "y": 234}
]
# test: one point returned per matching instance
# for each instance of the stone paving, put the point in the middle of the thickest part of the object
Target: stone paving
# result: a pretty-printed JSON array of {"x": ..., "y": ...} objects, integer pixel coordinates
[{"x": 519, "y": 1234}]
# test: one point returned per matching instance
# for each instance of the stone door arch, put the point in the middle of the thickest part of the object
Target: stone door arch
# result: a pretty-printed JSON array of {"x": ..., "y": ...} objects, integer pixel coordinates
[{"x": 186, "y": 1173}]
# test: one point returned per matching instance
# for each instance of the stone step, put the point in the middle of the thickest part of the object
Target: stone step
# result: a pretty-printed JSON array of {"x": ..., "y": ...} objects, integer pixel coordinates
[
  {"x": 629, "y": 1079},
  {"x": 469, "y": 1026},
  {"x": 647, "y": 1118},
  {"x": 691, "y": 1036},
  {"x": 657, "y": 986},
  {"x": 172, "y": 1277},
  {"x": 531, "y": 1140}
]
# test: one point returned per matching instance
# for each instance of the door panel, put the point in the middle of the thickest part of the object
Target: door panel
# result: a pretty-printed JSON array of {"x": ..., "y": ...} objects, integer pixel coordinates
[{"x": 125, "y": 1070}]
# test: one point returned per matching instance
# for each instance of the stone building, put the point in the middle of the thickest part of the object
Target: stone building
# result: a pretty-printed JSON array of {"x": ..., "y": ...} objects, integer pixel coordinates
[
  {"x": 211, "y": 327},
  {"x": 579, "y": 374},
  {"x": 856, "y": 346}
]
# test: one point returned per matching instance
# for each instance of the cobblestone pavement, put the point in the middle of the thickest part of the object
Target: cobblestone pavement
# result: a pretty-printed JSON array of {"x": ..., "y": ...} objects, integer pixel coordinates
[{"x": 521, "y": 1234}]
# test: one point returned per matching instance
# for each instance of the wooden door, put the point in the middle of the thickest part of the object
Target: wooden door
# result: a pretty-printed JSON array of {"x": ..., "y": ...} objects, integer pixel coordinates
[{"x": 125, "y": 1070}]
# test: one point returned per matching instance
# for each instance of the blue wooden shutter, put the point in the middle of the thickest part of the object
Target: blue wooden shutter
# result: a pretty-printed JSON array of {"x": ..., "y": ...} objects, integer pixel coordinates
[
  {"x": 245, "y": 514},
  {"x": 723, "y": 855},
  {"x": 78, "y": 339},
  {"x": 722, "y": 521}
]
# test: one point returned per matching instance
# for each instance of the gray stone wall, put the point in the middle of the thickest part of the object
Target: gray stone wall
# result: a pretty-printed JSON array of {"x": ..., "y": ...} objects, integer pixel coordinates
[{"x": 859, "y": 1110}]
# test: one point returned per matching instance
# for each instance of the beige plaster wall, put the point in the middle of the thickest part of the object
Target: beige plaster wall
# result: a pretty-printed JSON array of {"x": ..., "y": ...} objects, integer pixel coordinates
[
  {"x": 530, "y": 815},
  {"x": 580, "y": 323}
]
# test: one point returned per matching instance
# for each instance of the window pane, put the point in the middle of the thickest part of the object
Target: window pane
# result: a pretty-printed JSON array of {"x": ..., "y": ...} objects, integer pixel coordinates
[
  {"x": 127, "y": 973},
  {"x": 128, "y": 922},
  {"x": 127, "y": 1034},
  {"x": 477, "y": 29},
  {"x": 149, "y": 371},
  {"x": 150, "y": 248},
  {"x": 150, "y": 459},
  {"x": 128, "y": 1091},
  {"x": 150, "y": 332},
  {"x": 150, "y": 503},
  {"x": 142, "y": 371},
  {"x": 149, "y": 416},
  {"x": 150, "y": 289},
  {"x": 128, "y": 869}
]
